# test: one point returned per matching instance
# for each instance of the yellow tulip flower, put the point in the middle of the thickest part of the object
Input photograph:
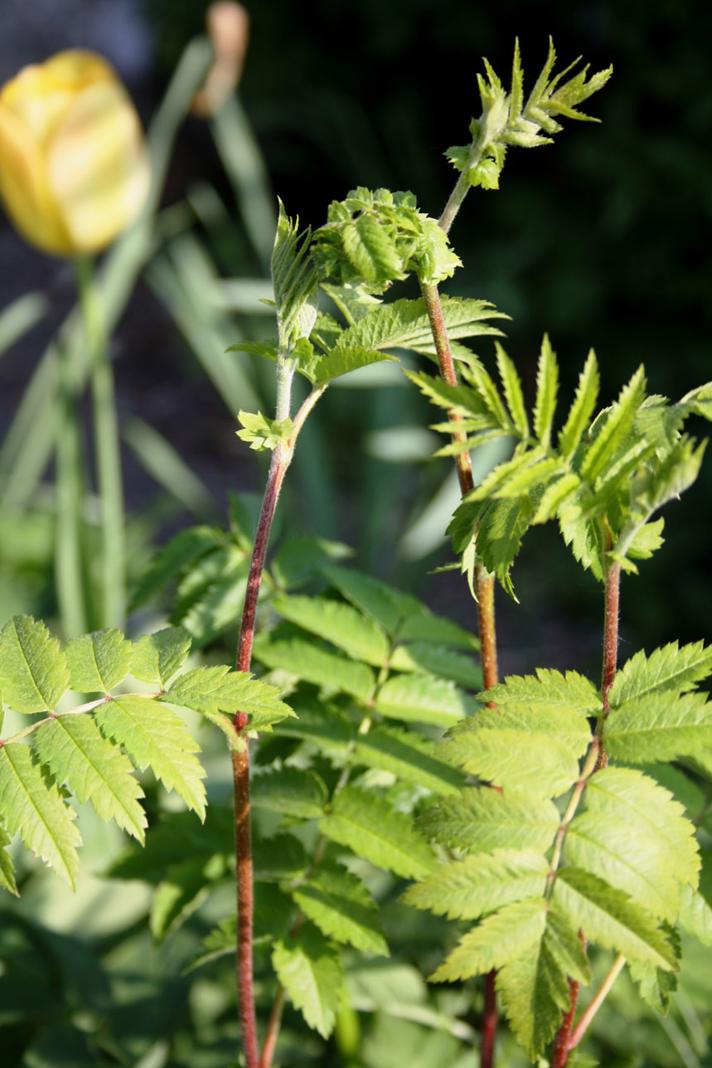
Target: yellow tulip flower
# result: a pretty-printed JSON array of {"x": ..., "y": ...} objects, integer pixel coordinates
[{"x": 73, "y": 164}]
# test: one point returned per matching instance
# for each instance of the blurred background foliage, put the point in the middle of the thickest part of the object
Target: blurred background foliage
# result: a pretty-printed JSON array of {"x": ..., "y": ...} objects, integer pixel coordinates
[{"x": 600, "y": 239}]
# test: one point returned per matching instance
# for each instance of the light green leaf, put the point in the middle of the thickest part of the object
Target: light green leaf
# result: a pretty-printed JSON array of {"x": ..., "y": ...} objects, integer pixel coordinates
[
  {"x": 659, "y": 727},
  {"x": 216, "y": 690},
  {"x": 582, "y": 408},
  {"x": 535, "y": 749},
  {"x": 650, "y": 812},
  {"x": 98, "y": 661},
  {"x": 309, "y": 968},
  {"x": 547, "y": 387},
  {"x": 366, "y": 824},
  {"x": 670, "y": 669},
  {"x": 438, "y": 660},
  {"x": 481, "y": 819},
  {"x": 512, "y": 385},
  {"x": 157, "y": 657},
  {"x": 291, "y": 791},
  {"x": 534, "y": 987},
  {"x": 400, "y": 614},
  {"x": 696, "y": 915},
  {"x": 611, "y": 428},
  {"x": 342, "y": 908},
  {"x": 508, "y": 934},
  {"x": 37, "y": 812},
  {"x": 341, "y": 361},
  {"x": 294, "y": 280},
  {"x": 409, "y": 757},
  {"x": 611, "y": 918},
  {"x": 422, "y": 698},
  {"x": 7, "y": 870},
  {"x": 341, "y": 624},
  {"x": 322, "y": 724},
  {"x": 473, "y": 887},
  {"x": 156, "y": 737},
  {"x": 371, "y": 251},
  {"x": 263, "y": 433},
  {"x": 546, "y": 689},
  {"x": 77, "y": 753},
  {"x": 555, "y": 495},
  {"x": 315, "y": 665},
  {"x": 404, "y": 324},
  {"x": 33, "y": 669}
]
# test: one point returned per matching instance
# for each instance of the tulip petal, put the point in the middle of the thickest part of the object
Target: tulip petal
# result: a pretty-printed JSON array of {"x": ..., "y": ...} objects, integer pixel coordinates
[
  {"x": 41, "y": 93},
  {"x": 25, "y": 190},
  {"x": 97, "y": 165}
]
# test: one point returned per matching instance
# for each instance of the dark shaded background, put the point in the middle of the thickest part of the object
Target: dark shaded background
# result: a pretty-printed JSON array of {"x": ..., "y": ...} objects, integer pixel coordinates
[{"x": 601, "y": 239}]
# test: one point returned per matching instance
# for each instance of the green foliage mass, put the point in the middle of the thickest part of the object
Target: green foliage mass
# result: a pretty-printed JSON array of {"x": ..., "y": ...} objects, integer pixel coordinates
[
  {"x": 93, "y": 748},
  {"x": 602, "y": 477}
]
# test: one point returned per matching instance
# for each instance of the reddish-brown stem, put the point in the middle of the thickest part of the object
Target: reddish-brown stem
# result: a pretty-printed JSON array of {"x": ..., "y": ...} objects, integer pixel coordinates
[
  {"x": 563, "y": 1036},
  {"x": 281, "y": 458},
  {"x": 563, "y": 1042},
  {"x": 241, "y": 768},
  {"x": 610, "y": 632},
  {"x": 433, "y": 306},
  {"x": 484, "y": 587}
]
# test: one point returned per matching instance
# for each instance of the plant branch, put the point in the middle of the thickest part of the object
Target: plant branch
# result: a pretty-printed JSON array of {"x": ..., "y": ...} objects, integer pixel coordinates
[
  {"x": 108, "y": 452},
  {"x": 484, "y": 588},
  {"x": 281, "y": 459},
  {"x": 564, "y": 1041},
  {"x": 461, "y": 189},
  {"x": 78, "y": 711},
  {"x": 598, "y": 999}
]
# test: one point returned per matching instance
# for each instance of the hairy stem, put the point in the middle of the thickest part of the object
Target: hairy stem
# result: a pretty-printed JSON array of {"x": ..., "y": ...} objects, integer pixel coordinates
[
  {"x": 484, "y": 587},
  {"x": 108, "y": 452},
  {"x": 281, "y": 459},
  {"x": 598, "y": 999},
  {"x": 564, "y": 1041}
]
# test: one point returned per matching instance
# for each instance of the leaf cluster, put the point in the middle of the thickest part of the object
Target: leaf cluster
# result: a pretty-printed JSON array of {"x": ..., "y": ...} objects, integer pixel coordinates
[
  {"x": 374, "y": 677},
  {"x": 619, "y": 869},
  {"x": 602, "y": 476},
  {"x": 373, "y": 238},
  {"x": 507, "y": 118},
  {"x": 92, "y": 749}
]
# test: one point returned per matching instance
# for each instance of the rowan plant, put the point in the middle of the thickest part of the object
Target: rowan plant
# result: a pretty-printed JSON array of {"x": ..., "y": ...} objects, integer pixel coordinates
[{"x": 544, "y": 811}]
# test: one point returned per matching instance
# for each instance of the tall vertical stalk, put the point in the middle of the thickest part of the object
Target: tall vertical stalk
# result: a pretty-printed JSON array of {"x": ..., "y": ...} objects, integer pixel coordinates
[
  {"x": 564, "y": 1043},
  {"x": 107, "y": 451},
  {"x": 484, "y": 589},
  {"x": 244, "y": 887},
  {"x": 484, "y": 582}
]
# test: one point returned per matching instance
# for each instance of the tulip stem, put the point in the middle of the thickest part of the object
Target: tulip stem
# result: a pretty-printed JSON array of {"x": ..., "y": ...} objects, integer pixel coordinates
[
  {"x": 68, "y": 555},
  {"x": 107, "y": 450}
]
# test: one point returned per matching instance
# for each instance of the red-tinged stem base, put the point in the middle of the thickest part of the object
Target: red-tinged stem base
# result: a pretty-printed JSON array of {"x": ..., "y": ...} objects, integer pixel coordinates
[
  {"x": 489, "y": 1022},
  {"x": 563, "y": 1036}
]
